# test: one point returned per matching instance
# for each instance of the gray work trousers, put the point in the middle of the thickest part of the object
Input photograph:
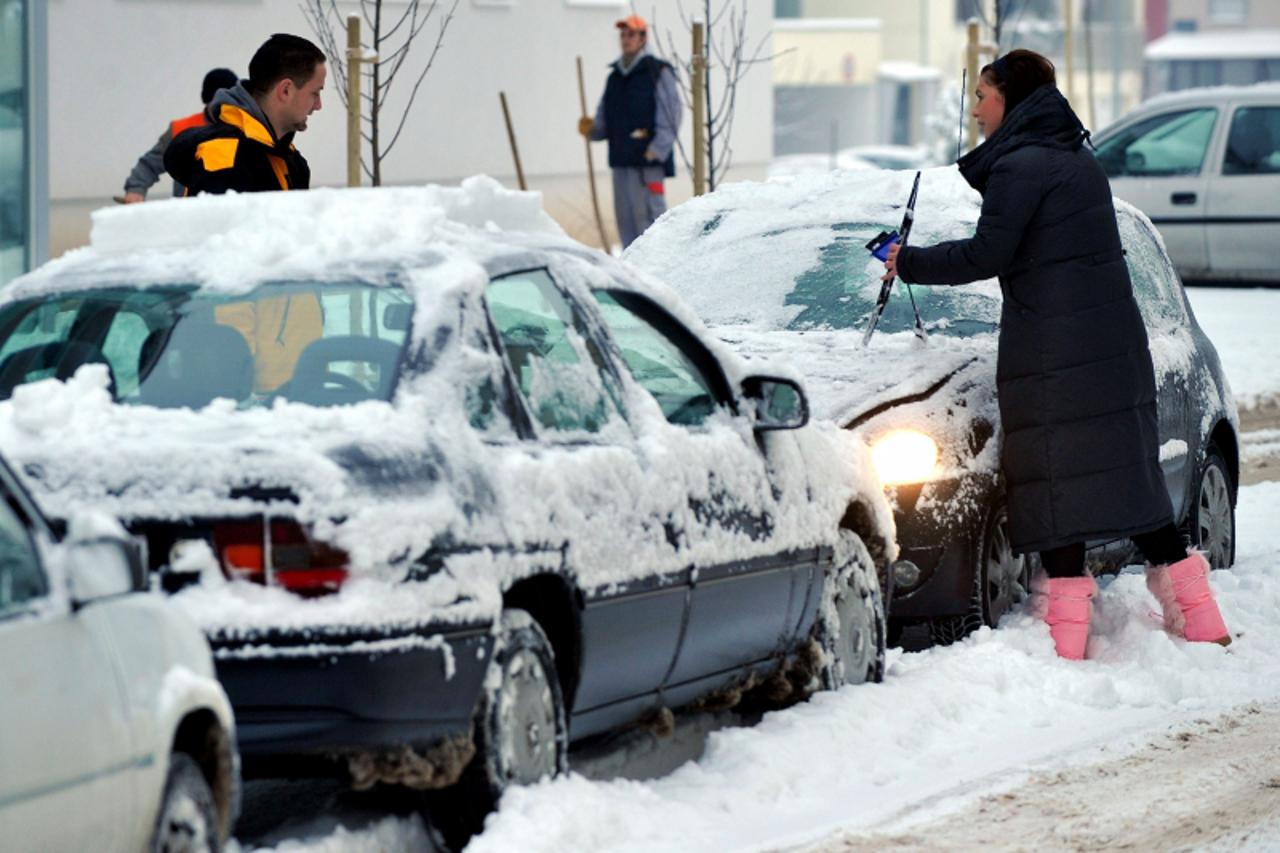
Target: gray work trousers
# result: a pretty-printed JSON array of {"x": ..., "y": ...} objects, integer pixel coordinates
[{"x": 635, "y": 204}]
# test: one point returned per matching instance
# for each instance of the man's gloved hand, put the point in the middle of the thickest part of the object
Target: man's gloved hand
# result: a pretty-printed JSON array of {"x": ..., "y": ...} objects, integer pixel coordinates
[{"x": 585, "y": 124}]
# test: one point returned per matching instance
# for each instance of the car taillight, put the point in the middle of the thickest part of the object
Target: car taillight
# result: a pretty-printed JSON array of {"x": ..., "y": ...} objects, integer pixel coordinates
[{"x": 279, "y": 553}]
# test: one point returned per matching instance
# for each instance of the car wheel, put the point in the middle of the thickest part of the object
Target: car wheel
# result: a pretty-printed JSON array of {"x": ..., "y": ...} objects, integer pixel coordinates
[
  {"x": 521, "y": 733},
  {"x": 1001, "y": 580},
  {"x": 1212, "y": 520},
  {"x": 188, "y": 820},
  {"x": 851, "y": 623}
]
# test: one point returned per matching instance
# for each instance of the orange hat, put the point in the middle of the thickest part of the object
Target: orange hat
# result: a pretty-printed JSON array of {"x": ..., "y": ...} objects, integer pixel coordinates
[{"x": 633, "y": 22}]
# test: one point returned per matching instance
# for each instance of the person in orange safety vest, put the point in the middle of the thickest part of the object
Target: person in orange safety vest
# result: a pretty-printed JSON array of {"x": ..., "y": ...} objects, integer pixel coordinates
[{"x": 150, "y": 166}]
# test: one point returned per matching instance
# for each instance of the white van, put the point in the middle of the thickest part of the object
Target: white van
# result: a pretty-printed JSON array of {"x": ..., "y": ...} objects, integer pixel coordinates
[{"x": 1204, "y": 165}]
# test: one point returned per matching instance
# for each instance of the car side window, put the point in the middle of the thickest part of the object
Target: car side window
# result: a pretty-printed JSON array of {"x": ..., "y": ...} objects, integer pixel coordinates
[
  {"x": 1253, "y": 145},
  {"x": 1155, "y": 284},
  {"x": 123, "y": 347},
  {"x": 660, "y": 361},
  {"x": 1167, "y": 144},
  {"x": 558, "y": 369},
  {"x": 21, "y": 577}
]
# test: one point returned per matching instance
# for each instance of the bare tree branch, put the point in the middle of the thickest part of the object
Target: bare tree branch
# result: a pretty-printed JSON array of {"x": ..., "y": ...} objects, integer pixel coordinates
[
  {"x": 393, "y": 43},
  {"x": 730, "y": 57},
  {"x": 444, "y": 25}
]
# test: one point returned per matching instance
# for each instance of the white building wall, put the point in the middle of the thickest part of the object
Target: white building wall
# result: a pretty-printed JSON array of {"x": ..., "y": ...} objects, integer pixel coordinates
[{"x": 121, "y": 69}]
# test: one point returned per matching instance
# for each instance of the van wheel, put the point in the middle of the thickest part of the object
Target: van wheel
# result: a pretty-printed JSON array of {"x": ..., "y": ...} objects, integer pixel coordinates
[{"x": 188, "y": 817}]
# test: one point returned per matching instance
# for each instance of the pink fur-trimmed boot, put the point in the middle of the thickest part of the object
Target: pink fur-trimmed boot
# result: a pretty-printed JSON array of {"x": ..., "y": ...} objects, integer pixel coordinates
[
  {"x": 1066, "y": 604},
  {"x": 1187, "y": 583},
  {"x": 1161, "y": 586}
]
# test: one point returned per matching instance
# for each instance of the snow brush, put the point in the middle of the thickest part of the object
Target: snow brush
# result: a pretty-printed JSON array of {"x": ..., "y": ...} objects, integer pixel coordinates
[{"x": 879, "y": 248}]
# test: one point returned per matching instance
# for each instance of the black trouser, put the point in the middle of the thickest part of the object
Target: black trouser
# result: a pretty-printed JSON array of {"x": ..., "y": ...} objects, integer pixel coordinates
[{"x": 1159, "y": 547}]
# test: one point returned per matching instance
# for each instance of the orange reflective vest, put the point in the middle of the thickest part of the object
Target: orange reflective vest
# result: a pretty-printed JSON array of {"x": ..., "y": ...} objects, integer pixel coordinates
[{"x": 180, "y": 124}]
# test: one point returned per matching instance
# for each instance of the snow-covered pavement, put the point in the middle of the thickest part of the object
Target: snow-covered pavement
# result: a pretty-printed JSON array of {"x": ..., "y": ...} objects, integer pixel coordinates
[{"x": 1241, "y": 323}]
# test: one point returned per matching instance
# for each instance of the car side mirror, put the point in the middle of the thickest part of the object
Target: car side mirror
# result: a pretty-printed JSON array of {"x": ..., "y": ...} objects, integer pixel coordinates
[
  {"x": 102, "y": 560},
  {"x": 780, "y": 403}
]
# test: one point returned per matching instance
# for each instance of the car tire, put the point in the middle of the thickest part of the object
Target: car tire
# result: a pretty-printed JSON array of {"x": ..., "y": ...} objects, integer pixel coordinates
[
  {"x": 521, "y": 729},
  {"x": 1211, "y": 522},
  {"x": 1001, "y": 581},
  {"x": 850, "y": 629},
  {"x": 188, "y": 819}
]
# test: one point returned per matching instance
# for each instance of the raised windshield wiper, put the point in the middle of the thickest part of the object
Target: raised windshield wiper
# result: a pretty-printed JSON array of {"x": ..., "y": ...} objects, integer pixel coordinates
[{"x": 879, "y": 247}]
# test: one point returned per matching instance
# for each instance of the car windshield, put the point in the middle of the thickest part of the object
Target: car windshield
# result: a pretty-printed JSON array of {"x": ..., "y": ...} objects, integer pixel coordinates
[
  {"x": 319, "y": 343},
  {"x": 841, "y": 290}
]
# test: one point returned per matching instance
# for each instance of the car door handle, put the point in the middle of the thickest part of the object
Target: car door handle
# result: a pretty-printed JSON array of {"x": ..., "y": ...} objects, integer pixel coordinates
[{"x": 1183, "y": 198}]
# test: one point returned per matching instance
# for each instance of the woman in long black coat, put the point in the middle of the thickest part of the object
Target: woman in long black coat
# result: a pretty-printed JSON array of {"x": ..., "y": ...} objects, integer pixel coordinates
[{"x": 1081, "y": 454}]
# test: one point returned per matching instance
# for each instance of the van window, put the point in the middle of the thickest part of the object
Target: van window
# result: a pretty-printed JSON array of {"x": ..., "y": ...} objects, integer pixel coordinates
[
  {"x": 1253, "y": 146},
  {"x": 1168, "y": 144}
]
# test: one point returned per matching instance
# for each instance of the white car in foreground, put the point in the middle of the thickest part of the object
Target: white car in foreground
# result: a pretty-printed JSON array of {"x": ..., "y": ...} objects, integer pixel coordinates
[{"x": 114, "y": 734}]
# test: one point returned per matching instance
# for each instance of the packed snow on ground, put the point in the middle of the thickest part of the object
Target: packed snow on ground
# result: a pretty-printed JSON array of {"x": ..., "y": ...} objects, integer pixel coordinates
[{"x": 1241, "y": 324}]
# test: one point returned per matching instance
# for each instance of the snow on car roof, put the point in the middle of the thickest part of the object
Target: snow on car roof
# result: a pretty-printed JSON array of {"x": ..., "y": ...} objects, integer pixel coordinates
[{"x": 236, "y": 241}]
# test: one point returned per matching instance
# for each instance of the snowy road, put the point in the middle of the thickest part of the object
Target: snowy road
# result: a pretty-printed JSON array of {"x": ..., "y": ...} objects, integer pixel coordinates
[
  {"x": 1153, "y": 742},
  {"x": 1216, "y": 787}
]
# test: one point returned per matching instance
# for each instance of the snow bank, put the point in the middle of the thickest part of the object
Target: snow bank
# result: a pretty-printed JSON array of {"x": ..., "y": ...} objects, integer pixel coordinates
[{"x": 389, "y": 835}]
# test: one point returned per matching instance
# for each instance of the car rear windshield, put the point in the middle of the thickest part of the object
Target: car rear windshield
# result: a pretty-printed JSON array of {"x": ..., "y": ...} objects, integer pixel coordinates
[
  {"x": 319, "y": 343},
  {"x": 839, "y": 293}
]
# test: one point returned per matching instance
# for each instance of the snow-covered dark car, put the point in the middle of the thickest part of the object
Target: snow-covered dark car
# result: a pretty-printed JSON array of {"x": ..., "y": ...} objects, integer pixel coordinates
[
  {"x": 445, "y": 489},
  {"x": 780, "y": 269}
]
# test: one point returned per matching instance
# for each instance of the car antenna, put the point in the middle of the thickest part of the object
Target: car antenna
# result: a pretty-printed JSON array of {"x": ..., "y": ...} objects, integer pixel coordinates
[{"x": 879, "y": 247}]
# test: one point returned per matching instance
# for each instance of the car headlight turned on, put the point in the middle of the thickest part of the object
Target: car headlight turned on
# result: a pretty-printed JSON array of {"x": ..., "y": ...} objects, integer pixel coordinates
[{"x": 904, "y": 456}]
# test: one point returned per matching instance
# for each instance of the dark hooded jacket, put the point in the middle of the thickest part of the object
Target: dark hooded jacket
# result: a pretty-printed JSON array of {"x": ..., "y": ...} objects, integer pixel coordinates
[
  {"x": 1075, "y": 379},
  {"x": 237, "y": 151}
]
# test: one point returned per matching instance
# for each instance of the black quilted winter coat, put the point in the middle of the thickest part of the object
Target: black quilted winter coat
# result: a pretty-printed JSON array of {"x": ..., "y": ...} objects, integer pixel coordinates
[{"x": 1076, "y": 385}]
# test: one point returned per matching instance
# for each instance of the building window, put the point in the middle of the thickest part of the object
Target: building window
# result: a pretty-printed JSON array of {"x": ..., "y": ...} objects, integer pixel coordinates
[
  {"x": 1228, "y": 11},
  {"x": 786, "y": 8}
]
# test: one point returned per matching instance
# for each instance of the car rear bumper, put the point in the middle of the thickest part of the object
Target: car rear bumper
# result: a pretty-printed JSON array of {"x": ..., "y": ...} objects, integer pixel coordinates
[{"x": 304, "y": 700}]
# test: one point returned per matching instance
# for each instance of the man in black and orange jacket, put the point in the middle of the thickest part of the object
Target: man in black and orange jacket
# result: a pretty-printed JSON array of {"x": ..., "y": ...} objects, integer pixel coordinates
[
  {"x": 150, "y": 166},
  {"x": 248, "y": 144}
]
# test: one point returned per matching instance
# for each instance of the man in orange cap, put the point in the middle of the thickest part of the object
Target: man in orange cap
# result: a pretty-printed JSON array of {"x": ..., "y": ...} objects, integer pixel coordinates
[{"x": 639, "y": 115}]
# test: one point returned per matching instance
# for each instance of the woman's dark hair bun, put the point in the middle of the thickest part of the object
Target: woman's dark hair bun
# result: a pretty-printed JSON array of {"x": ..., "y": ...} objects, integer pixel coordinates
[{"x": 1017, "y": 74}]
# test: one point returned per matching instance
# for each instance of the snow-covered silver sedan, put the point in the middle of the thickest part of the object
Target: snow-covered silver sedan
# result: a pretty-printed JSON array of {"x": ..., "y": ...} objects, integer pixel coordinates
[
  {"x": 114, "y": 734},
  {"x": 445, "y": 489},
  {"x": 780, "y": 270}
]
